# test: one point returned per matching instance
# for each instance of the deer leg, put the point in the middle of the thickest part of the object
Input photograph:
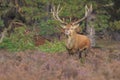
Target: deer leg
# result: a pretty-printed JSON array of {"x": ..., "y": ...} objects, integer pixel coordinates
[
  {"x": 80, "y": 54},
  {"x": 69, "y": 51},
  {"x": 85, "y": 52}
]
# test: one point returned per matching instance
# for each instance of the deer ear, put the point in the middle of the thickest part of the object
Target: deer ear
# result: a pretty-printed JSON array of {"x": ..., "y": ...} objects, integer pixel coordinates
[
  {"x": 63, "y": 26},
  {"x": 76, "y": 26}
]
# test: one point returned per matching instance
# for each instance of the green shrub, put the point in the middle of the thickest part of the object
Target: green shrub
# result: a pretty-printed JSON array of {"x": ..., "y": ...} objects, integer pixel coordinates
[
  {"x": 52, "y": 47},
  {"x": 48, "y": 27},
  {"x": 18, "y": 41},
  {"x": 115, "y": 25},
  {"x": 1, "y": 22},
  {"x": 101, "y": 22}
]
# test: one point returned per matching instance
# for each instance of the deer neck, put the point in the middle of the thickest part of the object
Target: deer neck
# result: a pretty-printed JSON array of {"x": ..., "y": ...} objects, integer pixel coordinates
[{"x": 70, "y": 41}]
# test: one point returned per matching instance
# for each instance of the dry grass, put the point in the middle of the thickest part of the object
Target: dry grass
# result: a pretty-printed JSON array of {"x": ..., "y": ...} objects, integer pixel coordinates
[{"x": 35, "y": 65}]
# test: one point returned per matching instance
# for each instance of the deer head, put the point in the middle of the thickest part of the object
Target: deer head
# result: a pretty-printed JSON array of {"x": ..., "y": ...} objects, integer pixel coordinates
[{"x": 72, "y": 26}]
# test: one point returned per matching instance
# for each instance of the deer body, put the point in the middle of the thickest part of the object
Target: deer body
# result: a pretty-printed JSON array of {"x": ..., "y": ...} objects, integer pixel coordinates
[{"x": 76, "y": 43}]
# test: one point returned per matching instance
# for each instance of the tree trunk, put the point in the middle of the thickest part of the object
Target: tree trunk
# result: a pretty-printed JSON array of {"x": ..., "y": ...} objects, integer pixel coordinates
[
  {"x": 47, "y": 11},
  {"x": 90, "y": 30}
]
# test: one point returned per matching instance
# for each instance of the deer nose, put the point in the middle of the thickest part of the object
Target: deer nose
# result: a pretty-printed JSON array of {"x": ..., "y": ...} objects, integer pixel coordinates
[{"x": 67, "y": 32}]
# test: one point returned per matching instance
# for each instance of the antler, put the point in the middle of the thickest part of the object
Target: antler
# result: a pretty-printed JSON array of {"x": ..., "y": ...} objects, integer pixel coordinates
[
  {"x": 88, "y": 11},
  {"x": 55, "y": 13}
]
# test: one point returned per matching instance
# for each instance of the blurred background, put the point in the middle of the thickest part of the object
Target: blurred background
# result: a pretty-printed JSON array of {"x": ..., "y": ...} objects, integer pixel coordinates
[{"x": 25, "y": 24}]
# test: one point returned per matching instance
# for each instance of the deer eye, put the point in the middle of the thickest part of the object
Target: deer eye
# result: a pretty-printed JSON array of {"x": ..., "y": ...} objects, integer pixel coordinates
[{"x": 72, "y": 28}]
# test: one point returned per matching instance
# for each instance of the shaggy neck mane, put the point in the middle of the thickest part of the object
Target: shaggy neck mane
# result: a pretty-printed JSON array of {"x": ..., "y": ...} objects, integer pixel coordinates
[{"x": 71, "y": 40}]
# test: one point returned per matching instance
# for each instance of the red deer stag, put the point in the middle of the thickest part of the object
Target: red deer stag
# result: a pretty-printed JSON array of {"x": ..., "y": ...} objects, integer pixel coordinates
[{"x": 75, "y": 43}]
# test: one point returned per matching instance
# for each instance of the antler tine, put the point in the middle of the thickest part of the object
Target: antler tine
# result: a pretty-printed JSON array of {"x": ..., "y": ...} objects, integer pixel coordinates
[
  {"x": 88, "y": 11},
  {"x": 91, "y": 9},
  {"x": 55, "y": 12}
]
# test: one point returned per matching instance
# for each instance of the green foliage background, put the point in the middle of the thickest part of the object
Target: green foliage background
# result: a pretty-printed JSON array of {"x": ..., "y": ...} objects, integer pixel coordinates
[{"x": 37, "y": 13}]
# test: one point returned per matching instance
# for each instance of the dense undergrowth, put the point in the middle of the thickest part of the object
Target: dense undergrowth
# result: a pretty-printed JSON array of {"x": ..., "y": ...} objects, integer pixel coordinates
[
  {"x": 21, "y": 41},
  {"x": 18, "y": 40},
  {"x": 57, "y": 46}
]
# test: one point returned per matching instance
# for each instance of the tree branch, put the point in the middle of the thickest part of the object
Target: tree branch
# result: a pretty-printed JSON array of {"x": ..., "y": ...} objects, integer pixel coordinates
[{"x": 3, "y": 34}]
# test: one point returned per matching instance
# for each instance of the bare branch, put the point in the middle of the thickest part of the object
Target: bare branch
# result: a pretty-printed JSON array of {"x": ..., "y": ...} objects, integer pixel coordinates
[
  {"x": 19, "y": 23},
  {"x": 3, "y": 34}
]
